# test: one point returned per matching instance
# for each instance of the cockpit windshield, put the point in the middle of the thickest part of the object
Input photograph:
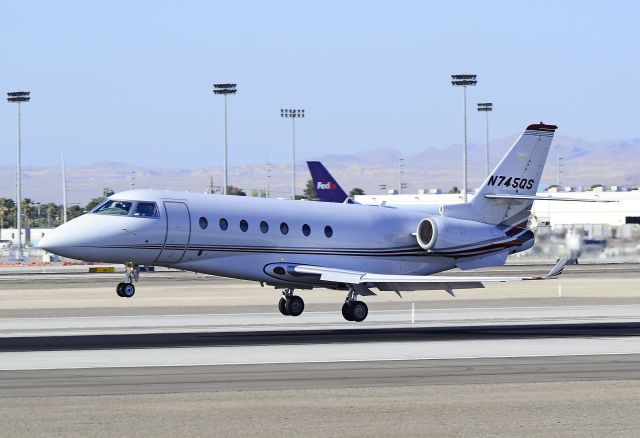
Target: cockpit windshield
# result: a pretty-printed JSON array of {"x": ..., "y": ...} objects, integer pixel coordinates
[{"x": 110, "y": 206}]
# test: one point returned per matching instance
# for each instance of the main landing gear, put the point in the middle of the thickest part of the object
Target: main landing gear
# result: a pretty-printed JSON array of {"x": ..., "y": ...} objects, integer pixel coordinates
[
  {"x": 354, "y": 310},
  {"x": 290, "y": 304},
  {"x": 126, "y": 289}
]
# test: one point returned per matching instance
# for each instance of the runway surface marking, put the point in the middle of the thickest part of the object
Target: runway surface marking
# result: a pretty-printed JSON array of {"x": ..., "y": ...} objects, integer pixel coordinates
[
  {"x": 318, "y": 353},
  {"x": 10, "y": 327}
]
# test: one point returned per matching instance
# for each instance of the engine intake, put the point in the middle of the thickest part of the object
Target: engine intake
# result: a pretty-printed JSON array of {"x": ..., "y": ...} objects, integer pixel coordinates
[
  {"x": 427, "y": 233},
  {"x": 441, "y": 232}
]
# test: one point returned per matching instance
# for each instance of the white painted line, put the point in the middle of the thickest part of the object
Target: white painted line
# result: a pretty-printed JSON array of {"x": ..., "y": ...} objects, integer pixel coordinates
[{"x": 319, "y": 353}]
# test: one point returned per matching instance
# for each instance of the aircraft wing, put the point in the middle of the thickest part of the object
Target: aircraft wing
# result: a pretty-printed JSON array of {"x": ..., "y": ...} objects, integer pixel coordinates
[{"x": 415, "y": 282}]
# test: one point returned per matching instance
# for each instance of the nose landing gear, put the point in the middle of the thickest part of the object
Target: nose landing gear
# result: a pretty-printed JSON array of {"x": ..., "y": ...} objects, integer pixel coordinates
[
  {"x": 290, "y": 304},
  {"x": 126, "y": 289}
]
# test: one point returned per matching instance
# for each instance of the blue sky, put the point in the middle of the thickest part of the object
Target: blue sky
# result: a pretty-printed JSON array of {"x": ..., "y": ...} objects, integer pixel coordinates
[{"x": 131, "y": 81}]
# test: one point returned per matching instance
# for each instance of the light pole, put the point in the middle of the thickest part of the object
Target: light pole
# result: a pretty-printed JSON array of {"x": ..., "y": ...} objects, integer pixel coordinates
[
  {"x": 401, "y": 184},
  {"x": 293, "y": 114},
  {"x": 225, "y": 90},
  {"x": 487, "y": 107},
  {"x": 19, "y": 97},
  {"x": 64, "y": 188},
  {"x": 464, "y": 81},
  {"x": 132, "y": 178},
  {"x": 267, "y": 179},
  {"x": 559, "y": 166}
]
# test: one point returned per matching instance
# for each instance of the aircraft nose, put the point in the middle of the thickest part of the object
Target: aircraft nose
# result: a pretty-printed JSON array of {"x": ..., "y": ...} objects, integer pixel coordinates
[
  {"x": 52, "y": 241},
  {"x": 72, "y": 239}
]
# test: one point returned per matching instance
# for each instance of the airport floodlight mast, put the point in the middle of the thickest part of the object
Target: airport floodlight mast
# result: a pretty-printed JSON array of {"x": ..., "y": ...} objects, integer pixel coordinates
[
  {"x": 487, "y": 107},
  {"x": 464, "y": 81},
  {"x": 293, "y": 114},
  {"x": 19, "y": 97},
  {"x": 225, "y": 90}
]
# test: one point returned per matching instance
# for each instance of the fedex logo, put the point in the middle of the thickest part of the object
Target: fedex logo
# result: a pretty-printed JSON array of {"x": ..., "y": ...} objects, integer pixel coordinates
[{"x": 326, "y": 186}]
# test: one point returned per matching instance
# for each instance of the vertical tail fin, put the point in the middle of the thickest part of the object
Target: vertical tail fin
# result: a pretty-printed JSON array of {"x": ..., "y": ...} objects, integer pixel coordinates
[
  {"x": 327, "y": 188},
  {"x": 518, "y": 173}
]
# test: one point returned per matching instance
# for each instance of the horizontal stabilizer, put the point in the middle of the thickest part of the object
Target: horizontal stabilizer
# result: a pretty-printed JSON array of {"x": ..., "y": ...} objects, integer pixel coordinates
[{"x": 543, "y": 198}]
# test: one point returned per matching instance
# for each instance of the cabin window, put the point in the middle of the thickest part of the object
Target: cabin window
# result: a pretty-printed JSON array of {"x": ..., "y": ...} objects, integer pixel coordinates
[
  {"x": 110, "y": 206},
  {"x": 306, "y": 229},
  {"x": 244, "y": 225},
  {"x": 204, "y": 223},
  {"x": 328, "y": 231},
  {"x": 264, "y": 227},
  {"x": 224, "y": 224},
  {"x": 146, "y": 209},
  {"x": 284, "y": 228}
]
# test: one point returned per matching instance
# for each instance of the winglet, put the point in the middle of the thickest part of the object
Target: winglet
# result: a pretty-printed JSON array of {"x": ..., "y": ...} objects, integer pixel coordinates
[{"x": 557, "y": 269}]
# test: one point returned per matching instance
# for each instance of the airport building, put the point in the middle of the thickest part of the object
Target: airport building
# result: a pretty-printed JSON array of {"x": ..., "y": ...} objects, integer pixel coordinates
[{"x": 30, "y": 236}]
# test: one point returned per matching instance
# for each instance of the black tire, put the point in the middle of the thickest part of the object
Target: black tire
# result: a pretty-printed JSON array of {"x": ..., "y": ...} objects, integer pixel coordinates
[
  {"x": 359, "y": 311},
  {"x": 282, "y": 306},
  {"x": 119, "y": 289},
  {"x": 294, "y": 305},
  {"x": 128, "y": 290},
  {"x": 347, "y": 311}
]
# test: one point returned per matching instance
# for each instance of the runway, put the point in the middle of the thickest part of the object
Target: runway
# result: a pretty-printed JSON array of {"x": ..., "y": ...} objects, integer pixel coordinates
[
  {"x": 156, "y": 380},
  {"x": 517, "y": 361}
]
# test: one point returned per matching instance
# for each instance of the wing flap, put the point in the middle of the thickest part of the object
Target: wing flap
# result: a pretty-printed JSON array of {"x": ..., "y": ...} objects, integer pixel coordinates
[{"x": 396, "y": 287}]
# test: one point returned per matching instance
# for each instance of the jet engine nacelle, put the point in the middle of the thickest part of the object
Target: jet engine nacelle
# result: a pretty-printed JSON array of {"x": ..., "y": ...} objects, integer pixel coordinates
[{"x": 440, "y": 232}]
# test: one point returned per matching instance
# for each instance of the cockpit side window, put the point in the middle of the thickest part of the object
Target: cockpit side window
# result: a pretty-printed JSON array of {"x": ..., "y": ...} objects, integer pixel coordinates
[
  {"x": 112, "y": 206},
  {"x": 146, "y": 209}
]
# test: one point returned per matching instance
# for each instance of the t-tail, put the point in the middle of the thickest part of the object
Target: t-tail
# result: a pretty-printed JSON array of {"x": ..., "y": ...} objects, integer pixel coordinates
[
  {"x": 507, "y": 195},
  {"x": 327, "y": 188}
]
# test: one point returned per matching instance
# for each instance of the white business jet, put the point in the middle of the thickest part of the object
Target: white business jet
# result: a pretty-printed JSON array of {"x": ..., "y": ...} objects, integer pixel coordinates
[{"x": 303, "y": 245}]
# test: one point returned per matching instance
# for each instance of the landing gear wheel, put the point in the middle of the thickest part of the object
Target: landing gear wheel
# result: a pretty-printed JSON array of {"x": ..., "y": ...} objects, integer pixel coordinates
[
  {"x": 119, "y": 289},
  {"x": 347, "y": 311},
  {"x": 359, "y": 311},
  {"x": 128, "y": 290},
  {"x": 294, "y": 305},
  {"x": 282, "y": 306}
]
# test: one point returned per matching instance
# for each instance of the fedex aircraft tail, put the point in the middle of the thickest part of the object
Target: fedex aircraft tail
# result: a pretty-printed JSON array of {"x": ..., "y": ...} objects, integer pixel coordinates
[
  {"x": 506, "y": 196},
  {"x": 327, "y": 188}
]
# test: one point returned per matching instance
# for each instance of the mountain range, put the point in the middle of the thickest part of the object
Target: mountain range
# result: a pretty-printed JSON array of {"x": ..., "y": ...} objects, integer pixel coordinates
[{"x": 583, "y": 163}]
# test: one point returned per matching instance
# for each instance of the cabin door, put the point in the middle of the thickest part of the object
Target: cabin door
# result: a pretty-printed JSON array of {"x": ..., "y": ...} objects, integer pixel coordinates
[{"x": 178, "y": 232}]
